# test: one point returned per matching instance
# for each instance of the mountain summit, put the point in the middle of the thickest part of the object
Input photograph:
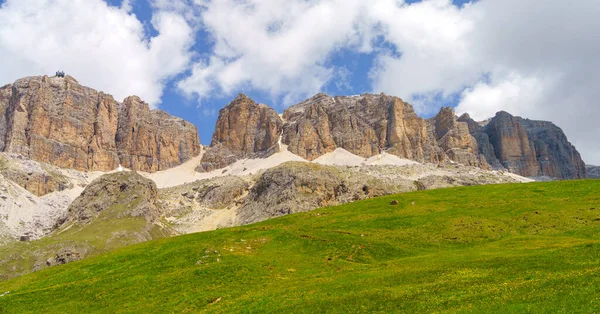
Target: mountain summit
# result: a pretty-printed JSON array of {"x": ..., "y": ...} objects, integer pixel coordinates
[
  {"x": 368, "y": 125},
  {"x": 58, "y": 121}
]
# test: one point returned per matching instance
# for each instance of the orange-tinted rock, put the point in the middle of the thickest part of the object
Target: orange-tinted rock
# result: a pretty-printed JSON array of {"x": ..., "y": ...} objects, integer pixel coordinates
[
  {"x": 152, "y": 140},
  {"x": 60, "y": 122},
  {"x": 367, "y": 125},
  {"x": 244, "y": 129},
  {"x": 456, "y": 141}
]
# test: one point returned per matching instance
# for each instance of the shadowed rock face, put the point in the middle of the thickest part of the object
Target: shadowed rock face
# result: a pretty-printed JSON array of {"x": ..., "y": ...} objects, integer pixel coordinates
[
  {"x": 593, "y": 171},
  {"x": 244, "y": 129},
  {"x": 527, "y": 147},
  {"x": 60, "y": 122}
]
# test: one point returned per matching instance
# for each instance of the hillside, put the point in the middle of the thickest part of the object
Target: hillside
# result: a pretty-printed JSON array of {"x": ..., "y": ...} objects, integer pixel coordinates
[{"x": 500, "y": 248}]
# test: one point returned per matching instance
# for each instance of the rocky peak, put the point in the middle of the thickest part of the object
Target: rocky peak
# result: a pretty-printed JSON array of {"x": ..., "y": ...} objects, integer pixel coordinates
[
  {"x": 244, "y": 129},
  {"x": 526, "y": 147},
  {"x": 369, "y": 124},
  {"x": 593, "y": 171},
  {"x": 456, "y": 141},
  {"x": 511, "y": 144},
  {"x": 58, "y": 121}
]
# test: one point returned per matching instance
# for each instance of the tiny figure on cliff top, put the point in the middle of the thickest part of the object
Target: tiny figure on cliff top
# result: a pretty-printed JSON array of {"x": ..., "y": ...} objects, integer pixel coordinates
[{"x": 60, "y": 74}]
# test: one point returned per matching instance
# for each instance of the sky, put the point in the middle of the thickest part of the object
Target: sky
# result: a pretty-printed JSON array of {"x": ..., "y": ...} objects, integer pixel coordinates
[{"x": 533, "y": 58}]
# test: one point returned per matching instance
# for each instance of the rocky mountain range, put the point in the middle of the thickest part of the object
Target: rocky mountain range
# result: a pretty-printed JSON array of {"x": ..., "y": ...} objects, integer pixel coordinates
[
  {"x": 593, "y": 171},
  {"x": 64, "y": 197},
  {"x": 367, "y": 125},
  {"x": 56, "y": 120}
]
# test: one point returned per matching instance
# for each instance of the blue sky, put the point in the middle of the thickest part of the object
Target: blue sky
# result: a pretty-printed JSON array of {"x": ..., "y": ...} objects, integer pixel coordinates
[{"x": 534, "y": 58}]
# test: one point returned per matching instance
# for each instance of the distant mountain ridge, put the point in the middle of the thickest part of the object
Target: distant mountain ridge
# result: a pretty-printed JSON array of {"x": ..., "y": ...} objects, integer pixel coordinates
[
  {"x": 367, "y": 125},
  {"x": 58, "y": 121},
  {"x": 593, "y": 171}
]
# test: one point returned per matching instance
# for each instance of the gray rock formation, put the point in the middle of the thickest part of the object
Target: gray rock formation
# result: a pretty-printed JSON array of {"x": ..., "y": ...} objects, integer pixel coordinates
[
  {"x": 299, "y": 187},
  {"x": 367, "y": 125},
  {"x": 527, "y": 147},
  {"x": 126, "y": 193},
  {"x": 593, "y": 171}
]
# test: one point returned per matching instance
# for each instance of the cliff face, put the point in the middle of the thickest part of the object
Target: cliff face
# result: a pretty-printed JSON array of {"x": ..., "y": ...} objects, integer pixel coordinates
[
  {"x": 244, "y": 129},
  {"x": 364, "y": 125},
  {"x": 368, "y": 125},
  {"x": 527, "y": 147},
  {"x": 593, "y": 171},
  {"x": 152, "y": 140},
  {"x": 58, "y": 121}
]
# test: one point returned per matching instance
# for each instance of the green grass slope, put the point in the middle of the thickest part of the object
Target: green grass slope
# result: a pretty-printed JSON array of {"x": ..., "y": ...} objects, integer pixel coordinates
[{"x": 497, "y": 249}]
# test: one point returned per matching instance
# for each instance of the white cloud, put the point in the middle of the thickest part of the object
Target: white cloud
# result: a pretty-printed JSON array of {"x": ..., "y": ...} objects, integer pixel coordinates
[
  {"x": 432, "y": 37},
  {"x": 101, "y": 46},
  {"x": 509, "y": 94},
  {"x": 543, "y": 60},
  {"x": 536, "y": 58},
  {"x": 281, "y": 47}
]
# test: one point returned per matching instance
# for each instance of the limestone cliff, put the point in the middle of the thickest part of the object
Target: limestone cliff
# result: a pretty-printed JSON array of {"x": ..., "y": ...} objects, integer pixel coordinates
[
  {"x": 152, "y": 140},
  {"x": 593, "y": 171},
  {"x": 367, "y": 125},
  {"x": 364, "y": 125},
  {"x": 244, "y": 129},
  {"x": 527, "y": 147},
  {"x": 58, "y": 121}
]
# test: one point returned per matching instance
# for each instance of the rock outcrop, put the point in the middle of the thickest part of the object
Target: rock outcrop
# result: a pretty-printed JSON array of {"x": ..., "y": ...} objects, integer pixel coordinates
[
  {"x": 593, "y": 171},
  {"x": 60, "y": 122},
  {"x": 456, "y": 141},
  {"x": 364, "y": 125},
  {"x": 39, "y": 179},
  {"x": 152, "y": 140},
  {"x": 125, "y": 194},
  {"x": 113, "y": 211},
  {"x": 527, "y": 147},
  {"x": 244, "y": 129}
]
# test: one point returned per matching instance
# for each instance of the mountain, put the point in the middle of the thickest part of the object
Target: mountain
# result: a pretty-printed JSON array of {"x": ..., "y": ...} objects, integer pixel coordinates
[
  {"x": 61, "y": 198},
  {"x": 367, "y": 125},
  {"x": 593, "y": 171},
  {"x": 527, "y": 147},
  {"x": 57, "y": 121}
]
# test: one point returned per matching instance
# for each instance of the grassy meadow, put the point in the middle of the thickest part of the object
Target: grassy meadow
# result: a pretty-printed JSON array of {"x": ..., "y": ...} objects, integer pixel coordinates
[{"x": 497, "y": 249}]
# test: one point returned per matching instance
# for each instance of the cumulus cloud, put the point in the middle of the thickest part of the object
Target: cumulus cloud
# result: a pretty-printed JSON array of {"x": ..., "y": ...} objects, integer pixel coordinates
[
  {"x": 281, "y": 47},
  {"x": 533, "y": 58},
  {"x": 101, "y": 46},
  {"x": 542, "y": 59}
]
